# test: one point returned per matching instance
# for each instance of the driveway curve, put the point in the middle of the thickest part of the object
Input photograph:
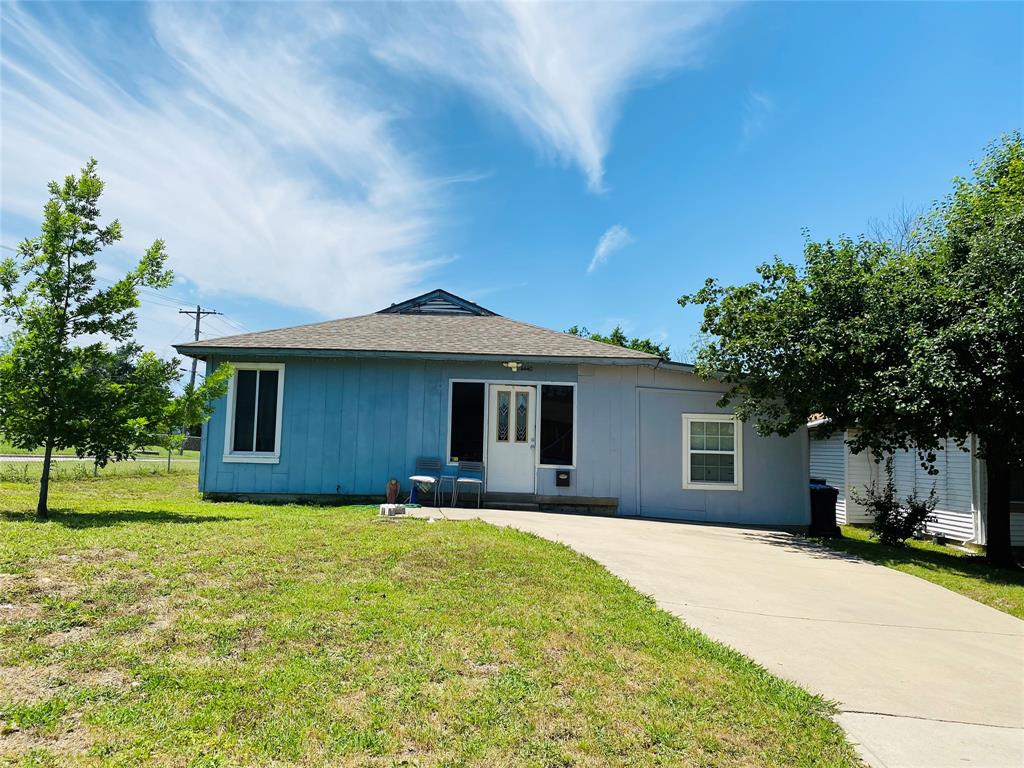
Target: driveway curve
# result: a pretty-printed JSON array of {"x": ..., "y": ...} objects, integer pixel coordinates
[{"x": 922, "y": 676}]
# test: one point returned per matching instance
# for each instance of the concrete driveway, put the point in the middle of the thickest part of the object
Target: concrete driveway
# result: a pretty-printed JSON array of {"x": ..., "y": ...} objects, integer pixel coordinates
[{"x": 922, "y": 675}]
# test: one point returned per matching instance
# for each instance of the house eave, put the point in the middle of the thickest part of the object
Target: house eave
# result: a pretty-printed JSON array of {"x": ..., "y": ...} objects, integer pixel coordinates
[{"x": 250, "y": 353}]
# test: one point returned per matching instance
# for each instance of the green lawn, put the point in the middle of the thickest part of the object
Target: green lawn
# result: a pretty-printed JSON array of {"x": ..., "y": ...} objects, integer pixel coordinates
[
  {"x": 150, "y": 452},
  {"x": 28, "y": 472},
  {"x": 951, "y": 568},
  {"x": 142, "y": 625}
]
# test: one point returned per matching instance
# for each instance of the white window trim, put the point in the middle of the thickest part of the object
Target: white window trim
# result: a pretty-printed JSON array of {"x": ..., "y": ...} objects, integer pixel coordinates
[
  {"x": 253, "y": 457},
  {"x": 536, "y": 416},
  {"x": 737, "y": 485}
]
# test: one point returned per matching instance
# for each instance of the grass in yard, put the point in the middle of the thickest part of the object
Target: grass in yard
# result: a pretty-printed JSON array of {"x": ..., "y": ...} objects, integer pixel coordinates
[
  {"x": 28, "y": 472},
  {"x": 142, "y": 625},
  {"x": 152, "y": 451},
  {"x": 946, "y": 566}
]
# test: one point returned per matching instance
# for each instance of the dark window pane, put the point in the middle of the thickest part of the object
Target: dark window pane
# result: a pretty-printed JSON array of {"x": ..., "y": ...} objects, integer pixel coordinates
[
  {"x": 697, "y": 468},
  {"x": 266, "y": 413},
  {"x": 712, "y": 468},
  {"x": 466, "y": 425},
  {"x": 245, "y": 410},
  {"x": 1017, "y": 485},
  {"x": 556, "y": 424}
]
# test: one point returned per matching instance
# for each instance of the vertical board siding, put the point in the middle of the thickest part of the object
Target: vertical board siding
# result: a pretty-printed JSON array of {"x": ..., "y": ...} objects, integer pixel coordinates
[
  {"x": 349, "y": 425},
  {"x": 330, "y": 466},
  {"x": 775, "y": 470},
  {"x": 828, "y": 461},
  {"x": 316, "y": 433}
]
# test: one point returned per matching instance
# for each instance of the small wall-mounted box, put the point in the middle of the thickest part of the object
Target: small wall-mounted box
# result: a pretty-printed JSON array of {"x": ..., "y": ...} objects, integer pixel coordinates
[{"x": 563, "y": 478}]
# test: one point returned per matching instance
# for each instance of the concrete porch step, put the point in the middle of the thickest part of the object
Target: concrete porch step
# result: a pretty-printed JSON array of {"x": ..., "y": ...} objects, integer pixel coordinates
[{"x": 519, "y": 506}]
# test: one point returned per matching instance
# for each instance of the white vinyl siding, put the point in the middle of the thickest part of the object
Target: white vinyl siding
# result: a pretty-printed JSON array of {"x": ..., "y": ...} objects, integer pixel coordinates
[
  {"x": 1017, "y": 529},
  {"x": 828, "y": 462},
  {"x": 954, "y": 512},
  {"x": 861, "y": 472}
]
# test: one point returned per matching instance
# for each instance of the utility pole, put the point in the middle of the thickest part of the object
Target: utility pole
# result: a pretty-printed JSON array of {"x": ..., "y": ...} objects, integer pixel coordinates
[{"x": 198, "y": 313}]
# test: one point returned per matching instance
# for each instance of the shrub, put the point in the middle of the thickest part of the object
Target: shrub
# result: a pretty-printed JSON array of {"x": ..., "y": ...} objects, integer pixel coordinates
[{"x": 895, "y": 521}]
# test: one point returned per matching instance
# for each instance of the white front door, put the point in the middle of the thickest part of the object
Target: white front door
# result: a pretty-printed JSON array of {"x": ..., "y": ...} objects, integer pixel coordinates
[{"x": 511, "y": 441}]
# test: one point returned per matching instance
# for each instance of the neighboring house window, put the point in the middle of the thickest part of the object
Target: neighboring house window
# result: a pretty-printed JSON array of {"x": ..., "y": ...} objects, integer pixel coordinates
[
  {"x": 466, "y": 422},
  {"x": 1016, "y": 490},
  {"x": 712, "y": 452},
  {"x": 254, "y": 413},
  {"x": 556, "y": 424}
]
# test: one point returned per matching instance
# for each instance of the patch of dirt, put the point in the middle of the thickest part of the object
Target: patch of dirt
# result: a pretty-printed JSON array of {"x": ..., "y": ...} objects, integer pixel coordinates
[
  {"x": 8, "y": 581},
  {"x": 350, "y": 702},
  {"x": 28, "y": 683},
  {"x": 73, "y": 635},
  {"x": 50, "y": 583},
  {"x": 10, "y": 612},
  {"x": 488, "y": 669},
  {"x": 163, "y": 614},
  {"x": 74, "y": 741},
  {"x": 249, "y": 639}
]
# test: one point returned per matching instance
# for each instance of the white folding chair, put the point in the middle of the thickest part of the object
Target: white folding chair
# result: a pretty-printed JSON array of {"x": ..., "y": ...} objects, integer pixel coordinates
[
  {"x": 465, "y": 479},
  {"x": 428, "y": 470}
]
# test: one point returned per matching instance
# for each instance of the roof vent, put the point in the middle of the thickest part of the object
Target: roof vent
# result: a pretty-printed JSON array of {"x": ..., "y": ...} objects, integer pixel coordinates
[{"x": 437, "y": 302}]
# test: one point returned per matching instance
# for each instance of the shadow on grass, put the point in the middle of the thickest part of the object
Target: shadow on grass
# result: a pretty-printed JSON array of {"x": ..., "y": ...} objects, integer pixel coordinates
[
  {"x": 951, "y": 562},
  {"x": 71, "y": 519},
  {"x": 846, "y": 548}
]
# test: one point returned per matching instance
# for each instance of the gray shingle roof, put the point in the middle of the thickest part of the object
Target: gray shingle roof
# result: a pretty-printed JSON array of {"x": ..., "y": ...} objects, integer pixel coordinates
[{"x": 440, "y": 334}]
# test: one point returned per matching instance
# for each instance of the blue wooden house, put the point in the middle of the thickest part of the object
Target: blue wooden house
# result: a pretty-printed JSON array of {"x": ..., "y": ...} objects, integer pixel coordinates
[{"x": 333, "y": 410}]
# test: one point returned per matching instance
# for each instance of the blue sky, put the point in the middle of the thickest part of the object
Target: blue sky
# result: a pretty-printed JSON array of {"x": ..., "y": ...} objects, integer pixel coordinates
[{"x": 317, "y": 161}]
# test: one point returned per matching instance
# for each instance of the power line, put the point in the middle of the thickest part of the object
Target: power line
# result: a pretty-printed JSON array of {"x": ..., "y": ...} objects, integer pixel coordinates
[
  {"x": 199, "y": 313},
  {"x": 164, "y": 299}
]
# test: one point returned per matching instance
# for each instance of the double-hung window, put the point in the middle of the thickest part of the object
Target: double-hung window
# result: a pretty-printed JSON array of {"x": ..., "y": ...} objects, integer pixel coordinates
[
  {"x": 712, "y": 452},
  {"x": 255, "y": 397}
]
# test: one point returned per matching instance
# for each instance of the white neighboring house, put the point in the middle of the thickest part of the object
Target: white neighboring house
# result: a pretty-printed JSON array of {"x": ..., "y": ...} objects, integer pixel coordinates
[{"x": 959, "y": 485}]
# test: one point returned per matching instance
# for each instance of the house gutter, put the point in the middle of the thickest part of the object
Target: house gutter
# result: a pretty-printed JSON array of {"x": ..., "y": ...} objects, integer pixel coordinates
[{"x": 245, "y": 353}]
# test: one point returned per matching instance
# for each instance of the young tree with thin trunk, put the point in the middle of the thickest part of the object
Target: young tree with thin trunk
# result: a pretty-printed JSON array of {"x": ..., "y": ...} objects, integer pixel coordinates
[
  {"x": 61, "y": 386},
  {"x": 911, "y": 342}
]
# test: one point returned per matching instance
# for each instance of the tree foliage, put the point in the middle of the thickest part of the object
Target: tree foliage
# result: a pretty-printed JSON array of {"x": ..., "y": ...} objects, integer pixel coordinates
[
  {"x": 910, "y": 342},
  {"x": 618, "y": 338},
  {"x": 62, "y": 384}
]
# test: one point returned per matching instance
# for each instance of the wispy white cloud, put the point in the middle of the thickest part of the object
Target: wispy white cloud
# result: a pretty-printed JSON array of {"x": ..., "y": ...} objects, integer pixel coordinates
[
  {"x": 756, "y": 111},
  {"x": 559, "y": 70},
  {"x": 615, "y": 238},
  {"x": 267, "y": 146},
  {"x": 267, "y": 177}
]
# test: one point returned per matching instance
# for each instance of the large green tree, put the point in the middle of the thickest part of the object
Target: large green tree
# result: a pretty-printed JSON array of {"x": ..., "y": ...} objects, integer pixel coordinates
[
  {"x": 618, "y": 338},
  {"x": 909, "y": 342},
  {"x": 71, "y": 375}
]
